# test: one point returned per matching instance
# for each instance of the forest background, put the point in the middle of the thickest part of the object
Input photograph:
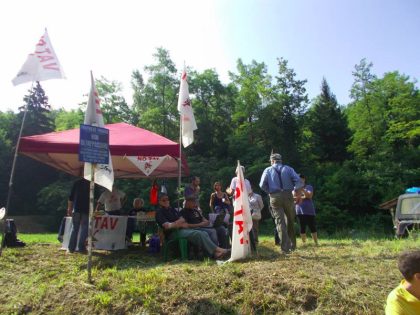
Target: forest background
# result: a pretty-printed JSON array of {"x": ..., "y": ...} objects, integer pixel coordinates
[{"x": 356, "y": 155}]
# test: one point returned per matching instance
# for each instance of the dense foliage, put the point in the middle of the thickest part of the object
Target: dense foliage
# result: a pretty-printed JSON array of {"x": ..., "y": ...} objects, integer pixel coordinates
[{"x": 356, "y": 155}]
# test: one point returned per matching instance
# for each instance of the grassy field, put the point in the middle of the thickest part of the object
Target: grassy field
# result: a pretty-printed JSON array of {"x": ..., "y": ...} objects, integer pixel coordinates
[{"x": 341, "y": 276}]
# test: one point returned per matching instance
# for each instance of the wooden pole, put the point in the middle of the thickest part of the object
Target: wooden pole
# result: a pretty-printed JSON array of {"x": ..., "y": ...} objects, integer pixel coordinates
[
  {"x": 91, "y": 220},
  {"x": 179, "y": 160}
]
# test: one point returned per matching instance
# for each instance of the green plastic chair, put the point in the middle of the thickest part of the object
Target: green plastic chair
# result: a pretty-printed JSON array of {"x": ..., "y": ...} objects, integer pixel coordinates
[{"x": 182, "y": 243}]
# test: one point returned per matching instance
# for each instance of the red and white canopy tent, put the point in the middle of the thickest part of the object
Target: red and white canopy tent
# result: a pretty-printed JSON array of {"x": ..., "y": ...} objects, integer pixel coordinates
[{"x": 135, "y": 151}]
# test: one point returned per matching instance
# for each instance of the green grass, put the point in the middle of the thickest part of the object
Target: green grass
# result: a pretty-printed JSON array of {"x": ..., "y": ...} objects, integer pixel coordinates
[
  {"x": 38, "y": 238},
  {"x": 344, "y": 275}
]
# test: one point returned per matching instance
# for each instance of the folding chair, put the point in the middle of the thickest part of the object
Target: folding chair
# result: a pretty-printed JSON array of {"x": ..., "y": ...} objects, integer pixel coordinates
[{"x": 177, "y": 239}]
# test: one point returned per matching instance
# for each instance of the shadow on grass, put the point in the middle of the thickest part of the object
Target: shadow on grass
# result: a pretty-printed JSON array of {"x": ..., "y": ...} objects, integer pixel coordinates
[
  {"x": 139, "y": 257},
  {"x": 136, "y": 257},
  {"x": 302, "y": 299},
  {"x": 207, "y": 306}
]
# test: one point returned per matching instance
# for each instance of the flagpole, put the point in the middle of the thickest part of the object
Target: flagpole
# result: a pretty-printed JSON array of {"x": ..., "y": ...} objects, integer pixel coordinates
[
  {"x": 90, "y": 232},
  {"x": 180, "y": 152},
  {"x": 180, "y": 159},
  {"x": 12, "y": 173}
]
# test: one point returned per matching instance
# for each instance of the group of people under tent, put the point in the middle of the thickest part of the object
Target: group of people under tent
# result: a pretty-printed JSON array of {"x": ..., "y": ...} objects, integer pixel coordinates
[{"x": 289, "y": 196}]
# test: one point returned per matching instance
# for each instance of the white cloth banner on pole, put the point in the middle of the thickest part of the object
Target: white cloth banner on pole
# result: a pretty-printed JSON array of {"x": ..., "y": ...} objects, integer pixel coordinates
[
  {"x": 108, "y": 232},
  {"x": 188, "y": 124},
  {"x": 242, "y": 220},
  {"x": 104, "y": 173},
  {"x": 42, "y": 65},
  {"x": 147, "y": 164}
]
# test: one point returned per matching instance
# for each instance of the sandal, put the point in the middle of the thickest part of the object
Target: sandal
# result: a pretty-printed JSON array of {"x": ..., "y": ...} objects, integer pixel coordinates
[{"x": 223, "y": 255}]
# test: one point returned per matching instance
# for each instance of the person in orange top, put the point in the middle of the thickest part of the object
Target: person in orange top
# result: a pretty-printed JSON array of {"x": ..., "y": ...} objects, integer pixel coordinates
[
  {"x": 154, "y": 191},
  {"x": 405, "y": 299}
]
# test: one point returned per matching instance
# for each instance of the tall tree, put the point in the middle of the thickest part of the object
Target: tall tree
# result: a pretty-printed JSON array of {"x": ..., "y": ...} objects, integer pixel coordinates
[
  {"x": 156, "y": 101},
  {"x": 137, "y": 84},
  {"x": 113, "y": 105},
  {"x": 213, "y": 109},
  {"x": 6, "y": 154},
  {"x": 65, "y": 120},
  {"x": 280, "y": 118},
  {"x": 38, "y": 117},
  {"x": 386, "y": 134},
  {"x": 401, "y": 116},
  {"x": 328, "y": 127},
  {"x": 252, "y": 82},
  {"x": 38, "y": 121},
  {"x": 364, "y": 113}
]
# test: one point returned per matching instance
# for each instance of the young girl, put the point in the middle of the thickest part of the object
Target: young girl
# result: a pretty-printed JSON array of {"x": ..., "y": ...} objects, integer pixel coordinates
[{"x": 305, "y": 211}]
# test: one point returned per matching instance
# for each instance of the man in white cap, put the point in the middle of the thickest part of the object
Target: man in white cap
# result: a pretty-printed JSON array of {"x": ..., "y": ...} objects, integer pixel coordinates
[{"x": 279, "y": 181}]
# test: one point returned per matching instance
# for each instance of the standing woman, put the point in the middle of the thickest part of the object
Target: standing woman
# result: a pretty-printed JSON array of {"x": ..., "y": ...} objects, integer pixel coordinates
[
  {"x": 219, "y": 200},
  {"x": 305, "y": 211},
  {"x": 220, "y": 204}
]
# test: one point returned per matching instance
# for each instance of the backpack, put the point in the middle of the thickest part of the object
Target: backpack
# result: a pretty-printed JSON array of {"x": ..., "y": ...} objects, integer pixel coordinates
[
  {"x": 10, "y": 235},
  {"x": 154, "y": 244}
]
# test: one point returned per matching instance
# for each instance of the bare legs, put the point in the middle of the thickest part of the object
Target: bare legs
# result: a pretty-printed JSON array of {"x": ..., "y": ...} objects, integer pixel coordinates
[{"x": 314, "y": 237}]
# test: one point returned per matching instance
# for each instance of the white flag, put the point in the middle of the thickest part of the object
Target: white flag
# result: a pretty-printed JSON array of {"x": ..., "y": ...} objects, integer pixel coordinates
[
  {"x": 147, "y": 164},
  {"x": 242, "y": 220},
  {"x": 104, "y": 173},
  {"x": 188, "y": 124},
  {"x": 42, "y": 65}
]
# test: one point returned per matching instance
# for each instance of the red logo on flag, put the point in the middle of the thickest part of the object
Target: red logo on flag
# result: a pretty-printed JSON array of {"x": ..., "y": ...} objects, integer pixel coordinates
[{"x": 187, "y": 102}]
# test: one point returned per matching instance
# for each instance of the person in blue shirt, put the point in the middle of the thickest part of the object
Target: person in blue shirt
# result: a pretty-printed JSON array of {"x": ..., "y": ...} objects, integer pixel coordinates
[
  {"x": 279, "y": 181},
  {"x": 305, "y": 211}
]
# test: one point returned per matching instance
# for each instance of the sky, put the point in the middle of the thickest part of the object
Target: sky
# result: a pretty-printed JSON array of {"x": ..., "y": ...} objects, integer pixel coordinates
[{"x": 322, "y": 38}]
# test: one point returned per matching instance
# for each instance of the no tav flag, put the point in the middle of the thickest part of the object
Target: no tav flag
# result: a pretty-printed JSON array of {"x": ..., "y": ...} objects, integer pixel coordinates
[
  {"x": 242, "y": 220},
  {"x": 41, "y": 65},
  {"x": 104, "y": 173},
  {"x": 188, "y": 124}
]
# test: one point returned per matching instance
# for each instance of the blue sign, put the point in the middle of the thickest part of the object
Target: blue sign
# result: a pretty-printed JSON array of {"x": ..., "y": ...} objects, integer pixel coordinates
[{"x": 94, "y": 144}]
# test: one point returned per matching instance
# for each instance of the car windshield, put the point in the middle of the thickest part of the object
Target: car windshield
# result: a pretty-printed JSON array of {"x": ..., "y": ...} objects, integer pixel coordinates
[{"x": 410, "y": 205}]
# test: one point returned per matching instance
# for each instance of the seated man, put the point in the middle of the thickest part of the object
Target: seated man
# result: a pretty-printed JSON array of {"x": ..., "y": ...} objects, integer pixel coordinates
[
  {"x": 169, "y": 219},
  {"x": 195, "y": 220},
  {"x": 405, "y": 299}
]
